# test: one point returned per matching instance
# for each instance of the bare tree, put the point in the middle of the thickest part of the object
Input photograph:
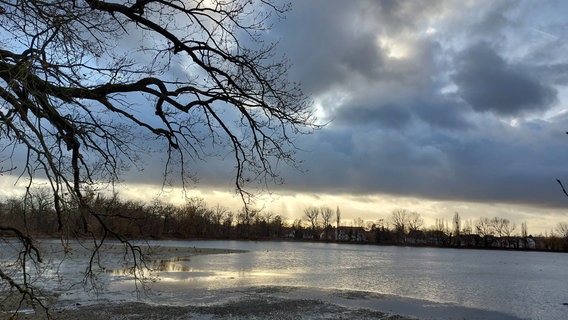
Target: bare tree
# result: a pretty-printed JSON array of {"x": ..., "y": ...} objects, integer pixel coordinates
[
  {"x": 415, "y": 221},
  {"x": 468, "y": 227},
  {"x": 337, "y": 222},
  {"x": 326, "y": 215},
  {"x": 86, "y": 83},
  {"x": 219, "y": 215},
  {"x": 311, "y": 214},
  {"x": 502, "y": 226},
  {"x": 440, "y": 231},
  {"x": 358, "y": 222},
  {"x": 457, "y": 229},
  {"x": 484, "y": 227},
  {"x": 509, "y": 228},
  {"x": 399, "y": 220},
  {"x": 441, "y": 226},
  {"x": 338, "y": 217},
  {"x": 562, "y": 229},
  {"x": 524, "y": 234}
]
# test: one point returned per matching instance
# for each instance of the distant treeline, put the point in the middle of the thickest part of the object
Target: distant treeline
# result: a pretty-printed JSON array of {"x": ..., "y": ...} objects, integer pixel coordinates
[{"x": 34, "y": 214}]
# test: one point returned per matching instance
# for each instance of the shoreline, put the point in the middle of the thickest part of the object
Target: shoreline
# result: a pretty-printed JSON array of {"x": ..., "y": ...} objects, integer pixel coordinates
[
  {"x": 274, "y": 302},
  {"x": 289, "y": 240}
]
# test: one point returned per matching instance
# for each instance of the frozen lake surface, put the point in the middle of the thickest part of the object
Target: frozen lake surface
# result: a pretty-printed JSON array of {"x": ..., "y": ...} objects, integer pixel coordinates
[{"x": 430, "y": 283}]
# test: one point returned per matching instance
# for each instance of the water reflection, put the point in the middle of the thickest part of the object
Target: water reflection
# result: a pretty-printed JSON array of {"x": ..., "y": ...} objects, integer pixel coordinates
[
  {"x": 178, "y": 270},
  {"x": 173, "y": 265}
]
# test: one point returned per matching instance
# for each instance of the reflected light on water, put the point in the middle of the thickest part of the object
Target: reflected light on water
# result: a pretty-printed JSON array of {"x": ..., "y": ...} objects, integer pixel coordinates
[
  {"x": 151, "y": 267},
  {"x": 170, "y": 265},
  {"x": 174, "y": 270},
  {"x": 210, "y": 276}
]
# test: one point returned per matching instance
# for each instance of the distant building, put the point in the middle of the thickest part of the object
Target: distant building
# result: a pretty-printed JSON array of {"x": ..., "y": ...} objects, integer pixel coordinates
[{"x": 354, "y": 234}]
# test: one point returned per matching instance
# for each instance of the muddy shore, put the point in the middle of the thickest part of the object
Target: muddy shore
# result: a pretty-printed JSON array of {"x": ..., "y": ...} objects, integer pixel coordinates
[{"x": 257, "y": 308}]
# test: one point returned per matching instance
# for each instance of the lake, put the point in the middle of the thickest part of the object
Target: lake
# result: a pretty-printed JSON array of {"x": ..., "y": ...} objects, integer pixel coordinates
[{"x": 527, "y": 285}]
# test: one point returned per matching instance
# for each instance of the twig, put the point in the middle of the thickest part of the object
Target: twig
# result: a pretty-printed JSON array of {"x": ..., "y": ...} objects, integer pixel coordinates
[{"x": 562, "y": 186}]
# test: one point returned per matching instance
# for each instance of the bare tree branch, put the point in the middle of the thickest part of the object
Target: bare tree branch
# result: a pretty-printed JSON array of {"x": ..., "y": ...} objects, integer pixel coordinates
[
  {"x": 562, "y": 186},
  {"x": 86, "y": 84}
]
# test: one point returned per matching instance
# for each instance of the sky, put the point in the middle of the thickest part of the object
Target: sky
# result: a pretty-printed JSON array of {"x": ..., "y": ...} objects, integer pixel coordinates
[
  {"x": 446, "y": 103},
  {"x": 432, "y": 106}
]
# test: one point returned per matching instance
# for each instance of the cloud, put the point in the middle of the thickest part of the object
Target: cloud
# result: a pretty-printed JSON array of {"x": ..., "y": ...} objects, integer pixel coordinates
[
  {"x": 336, "y": 44},
  {"x": 429, "y": 100},
  {"x": 325, "y": 51},
  {"x": 386, "y": 116},
  {"x": 488, "y": 82},
  {"x": 475, "y": 169},
  {"x": 426, "y": 100},
  {"x": 443, "y": 112}
]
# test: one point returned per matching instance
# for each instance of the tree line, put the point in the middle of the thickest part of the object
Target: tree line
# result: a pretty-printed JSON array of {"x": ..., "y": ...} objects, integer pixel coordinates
[
  {"x": 404, "y": 227},
  {"x": 35, "y": 213}
]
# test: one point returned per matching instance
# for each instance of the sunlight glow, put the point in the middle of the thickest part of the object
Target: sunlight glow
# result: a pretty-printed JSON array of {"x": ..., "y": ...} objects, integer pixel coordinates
[
  {"x": 370, "y": 208},
  {"x": 431, "y": 31},
  {"x": 394, "y": 48},
  {"x": 325, "y": 105}
]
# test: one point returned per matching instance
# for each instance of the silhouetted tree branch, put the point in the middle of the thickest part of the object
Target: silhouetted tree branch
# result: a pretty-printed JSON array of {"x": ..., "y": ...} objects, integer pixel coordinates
[
  {"x": 86, "y": 85},
  {"x": 562, "y": 186}
]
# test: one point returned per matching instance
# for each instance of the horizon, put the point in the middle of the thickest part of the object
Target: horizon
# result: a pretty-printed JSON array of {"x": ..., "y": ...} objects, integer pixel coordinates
[{"x": 291, "y": 206}]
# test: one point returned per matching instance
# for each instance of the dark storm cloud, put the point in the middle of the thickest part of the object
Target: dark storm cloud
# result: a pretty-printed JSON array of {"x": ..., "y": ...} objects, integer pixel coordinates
[
  {"x": 325, "y": 47},
  {"x": 444, "y": 112},
  {"x": 437, "y": 111},
  {"x": 421, "y": 98},
  {"x": 385, "y": 116},
  {"x": 424, "y": 99},
  {"x": 489, "y": 83},
  {"x": 492, "y": 163},
  {"x": 335, "y": 44},
  {"x": 513, "y": 164}
]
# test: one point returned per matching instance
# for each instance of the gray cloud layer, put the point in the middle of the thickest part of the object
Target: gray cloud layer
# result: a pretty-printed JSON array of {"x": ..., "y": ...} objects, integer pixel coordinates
[
  {"x": 488, "y": 83},
  {"x": 427, "y": 99}
]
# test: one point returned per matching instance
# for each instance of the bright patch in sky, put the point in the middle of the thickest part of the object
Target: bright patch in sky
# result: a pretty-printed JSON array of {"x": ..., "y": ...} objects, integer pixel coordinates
[{"x": 394, "y": 48}]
